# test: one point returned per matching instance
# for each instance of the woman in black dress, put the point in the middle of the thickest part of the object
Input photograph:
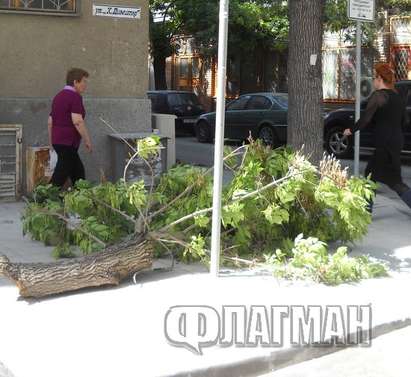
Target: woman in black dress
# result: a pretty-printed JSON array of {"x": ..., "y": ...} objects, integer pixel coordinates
[{"x": 386, "y": 111}]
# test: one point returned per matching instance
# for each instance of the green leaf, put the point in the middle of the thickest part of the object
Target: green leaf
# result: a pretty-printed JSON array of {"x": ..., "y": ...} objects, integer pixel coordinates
[
  {"x": 202, "y": 221},
  {"x": 276, "y": 215},
  {"x": 232, "y": 214},
  {"x": 148, "y": 147}
]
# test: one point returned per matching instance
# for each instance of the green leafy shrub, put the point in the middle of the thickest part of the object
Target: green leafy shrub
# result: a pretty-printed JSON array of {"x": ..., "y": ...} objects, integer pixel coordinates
[
  {"x": 310, "y": 259},
  {"x": 90, "y": 205}
]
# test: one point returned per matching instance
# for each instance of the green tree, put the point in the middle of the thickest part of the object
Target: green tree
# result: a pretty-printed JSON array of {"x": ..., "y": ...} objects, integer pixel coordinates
[
  {"x": 336, "y": 18},
  {"x": 265, "y": 24},
  {"x": 252, "y": 23},
  {"x": 307, "y": 19},
  {"x": 305, "y": 90},
  {"x": 164, "y": 24}
]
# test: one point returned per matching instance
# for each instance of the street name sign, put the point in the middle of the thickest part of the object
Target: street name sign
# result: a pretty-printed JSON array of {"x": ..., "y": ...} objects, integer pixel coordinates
[
  {"x": 116, "y": 11},
  {"x": 361, "y": 10}
]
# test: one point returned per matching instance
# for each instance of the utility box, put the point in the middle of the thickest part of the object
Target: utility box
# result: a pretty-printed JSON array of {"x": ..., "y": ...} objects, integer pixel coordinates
[
  {"x": 10, "y": 161},
  {"x": 124, "y": 146},
  {"x": 165, "y": 123}
]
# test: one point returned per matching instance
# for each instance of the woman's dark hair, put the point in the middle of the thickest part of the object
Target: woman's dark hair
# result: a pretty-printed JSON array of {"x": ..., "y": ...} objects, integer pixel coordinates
[
  {"x": 384, "y": 71},
  {"x": 75, "y": 74}
]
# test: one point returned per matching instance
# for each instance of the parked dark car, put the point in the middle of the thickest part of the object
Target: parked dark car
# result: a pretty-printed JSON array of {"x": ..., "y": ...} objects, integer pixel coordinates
[
  {"x": 337, "y": 121},
  {"x": 262, "y": 114},
  {"x": 185, "y": 105}
]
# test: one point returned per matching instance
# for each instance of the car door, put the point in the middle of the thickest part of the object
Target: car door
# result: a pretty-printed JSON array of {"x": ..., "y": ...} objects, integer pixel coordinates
[
  {"x": 234, "y": 117},
  {"x": 279, "y": 110},
  {"x": 258, "y": 109}
]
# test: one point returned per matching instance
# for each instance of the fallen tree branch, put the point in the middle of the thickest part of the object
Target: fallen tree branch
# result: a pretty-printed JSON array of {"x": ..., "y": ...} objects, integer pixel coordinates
[
  {"x": 169, "y": 204},
  {"x": 246, "y": 196},
  {"x": 76, "y": 227},
  {"x": 244, "y": 261},
  {"x": 107, "y": 267},
  {"x": 189, "y": 188},
  {"x": 127, "y": 217}
]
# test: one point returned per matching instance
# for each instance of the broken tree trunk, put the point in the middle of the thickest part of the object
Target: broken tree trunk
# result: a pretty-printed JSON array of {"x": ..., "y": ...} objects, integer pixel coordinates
[{"x": 107, "y": 267}]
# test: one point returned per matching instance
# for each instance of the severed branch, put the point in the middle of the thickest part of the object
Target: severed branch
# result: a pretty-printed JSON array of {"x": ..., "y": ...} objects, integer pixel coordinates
[
  {"x": 138, "y": 223},
  {"x": 116, "y": 262},
  {"x": 169, "y": 204},
  {"x": 76, "y": 227},
  {"x": 144, "y": 216},
  {"x": 127, "y": 217},
  {"x": 170, "y": 252},
  {"x": 189, "y": 188},
  {"x": 246, "y": 196},
  {"x": 185, "y": 218},
  {"x": 252, "y": 263},
  {"x": 107, "y": 267},
  {"x": 136, "y": 152}
]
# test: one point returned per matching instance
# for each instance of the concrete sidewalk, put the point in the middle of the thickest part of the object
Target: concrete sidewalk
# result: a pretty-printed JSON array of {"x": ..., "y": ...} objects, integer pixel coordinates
[{"x": 120, "y": 331}]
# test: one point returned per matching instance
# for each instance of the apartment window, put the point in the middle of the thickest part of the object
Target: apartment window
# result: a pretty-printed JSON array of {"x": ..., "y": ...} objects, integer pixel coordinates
[
  {"x": 195, "y": 64},
  {"x": 184, "y": 68},
  {"x": 45, "y": 6}
]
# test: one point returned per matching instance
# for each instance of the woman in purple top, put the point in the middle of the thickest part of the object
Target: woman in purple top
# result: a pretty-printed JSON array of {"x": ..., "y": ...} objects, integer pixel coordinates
[{"x": 66, "y": 128}]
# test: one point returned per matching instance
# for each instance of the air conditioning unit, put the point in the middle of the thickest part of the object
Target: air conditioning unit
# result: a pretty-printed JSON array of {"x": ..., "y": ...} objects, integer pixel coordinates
[{"x": 367, "y": 87}]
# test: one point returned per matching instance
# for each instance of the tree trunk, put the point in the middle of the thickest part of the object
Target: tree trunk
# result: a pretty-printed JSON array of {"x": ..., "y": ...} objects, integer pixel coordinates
[
  {"x": 160, "y": 79},
  {"x": 305, "y": 120},
  {"x": 107, "y": 267}
]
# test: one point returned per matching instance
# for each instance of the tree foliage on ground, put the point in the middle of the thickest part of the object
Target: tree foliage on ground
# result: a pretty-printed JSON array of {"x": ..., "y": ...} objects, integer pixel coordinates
[{"x": 275, "y": 196}]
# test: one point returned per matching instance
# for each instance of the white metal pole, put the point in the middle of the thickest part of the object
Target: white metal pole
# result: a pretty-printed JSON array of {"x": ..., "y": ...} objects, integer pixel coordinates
[
  {"x": 357, "y": 100},
  {"x": 219, "y": 138}
]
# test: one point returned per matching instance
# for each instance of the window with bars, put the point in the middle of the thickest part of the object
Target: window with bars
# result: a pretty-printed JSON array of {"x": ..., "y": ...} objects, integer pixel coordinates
[
  {"x": 401, "y": 62},
  {"x": 60, "y": 6}
]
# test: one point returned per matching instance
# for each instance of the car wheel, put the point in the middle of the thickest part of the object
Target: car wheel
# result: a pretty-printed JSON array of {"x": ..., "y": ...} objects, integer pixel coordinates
[
  {"x": 203, "y": 132},
  {"x": 337, "y": 144},
  {"x": 267, "y": 135}
]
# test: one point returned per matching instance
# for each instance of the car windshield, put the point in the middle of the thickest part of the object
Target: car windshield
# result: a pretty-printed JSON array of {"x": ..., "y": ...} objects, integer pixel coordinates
[
  {"x": 282, "y": 100},
  {"x": 181, "y": 99}
]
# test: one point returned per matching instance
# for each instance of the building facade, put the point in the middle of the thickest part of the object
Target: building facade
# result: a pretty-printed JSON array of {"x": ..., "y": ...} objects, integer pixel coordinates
[
  {"x": 41, "y": 39},
  {"x": 267, "y": 70}
]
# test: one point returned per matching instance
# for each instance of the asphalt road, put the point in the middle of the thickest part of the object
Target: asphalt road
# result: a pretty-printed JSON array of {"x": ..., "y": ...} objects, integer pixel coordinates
[{"x": 189, "y": 150}]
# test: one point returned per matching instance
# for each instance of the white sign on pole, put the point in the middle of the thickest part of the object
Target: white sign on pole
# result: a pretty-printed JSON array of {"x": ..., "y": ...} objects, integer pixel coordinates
[
  {"x": 361, "y": 10},
  {"x": 357, "y": 99},
  {"x": 116, "y": 11}
]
